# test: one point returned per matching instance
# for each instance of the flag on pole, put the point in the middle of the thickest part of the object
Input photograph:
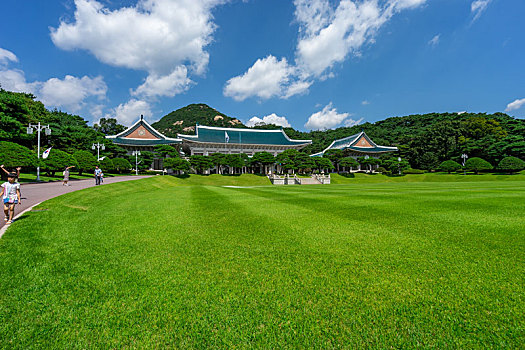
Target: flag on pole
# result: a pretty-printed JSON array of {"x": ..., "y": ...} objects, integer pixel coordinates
[
  {"x": 101, "y": 158},
  {"x": 46, "y": 153},
  {"x": 226, "y": 137}
]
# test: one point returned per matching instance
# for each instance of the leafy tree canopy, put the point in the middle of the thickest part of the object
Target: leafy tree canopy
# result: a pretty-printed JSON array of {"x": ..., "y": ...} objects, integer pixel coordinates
[
  {"x": 13, "y": 155},
  {"x": 57, "y": 161},
  {"x": 85, "y": 160},
  {"x": 121, "y": 165}
]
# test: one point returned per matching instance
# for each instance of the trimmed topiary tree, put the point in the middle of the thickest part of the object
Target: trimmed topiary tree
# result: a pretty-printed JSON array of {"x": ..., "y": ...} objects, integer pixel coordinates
[
  {"x": 177, "y": 164},
  {"x": 449, "y": 166},
  {"x": 86, "y": 161},
  {"x": 57, "y": 161},
  {"x": 511, "y": 164},
  {"x": 121, "y": 165},
  {"x": 13, "y": 155},
  {"x": 106, "y": 165},
  {"x": 349, "y": 162},
  {"x": 477, "y": 164},
  {"x": 323, "y": 164}
]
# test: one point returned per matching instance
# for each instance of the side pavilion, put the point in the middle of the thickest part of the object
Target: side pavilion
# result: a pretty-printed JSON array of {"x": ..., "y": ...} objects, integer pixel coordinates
[
  {"x": 358, "y": 145},
  {"x": 142, "y": 137}
]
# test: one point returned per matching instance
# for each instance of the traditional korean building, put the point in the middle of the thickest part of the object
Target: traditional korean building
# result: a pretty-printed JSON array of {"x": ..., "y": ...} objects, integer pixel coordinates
[
  {"x": 142, "y": 137},
  {"x": 209, "y": 139},
  {"x": 358, "y": 145}
]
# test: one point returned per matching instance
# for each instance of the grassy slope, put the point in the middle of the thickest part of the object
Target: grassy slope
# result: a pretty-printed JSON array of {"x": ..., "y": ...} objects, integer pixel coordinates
[
  {"x": 427, "y": 177},
  {"x": 150, "y": 263}
]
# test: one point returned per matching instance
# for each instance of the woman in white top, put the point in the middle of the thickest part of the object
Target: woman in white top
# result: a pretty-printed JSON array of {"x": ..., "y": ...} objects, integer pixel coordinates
[{"x": 10, "y": 197}]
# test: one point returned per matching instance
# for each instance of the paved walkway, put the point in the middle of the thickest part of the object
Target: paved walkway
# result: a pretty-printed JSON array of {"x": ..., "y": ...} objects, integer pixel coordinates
[{"x": 35, "y": 193}]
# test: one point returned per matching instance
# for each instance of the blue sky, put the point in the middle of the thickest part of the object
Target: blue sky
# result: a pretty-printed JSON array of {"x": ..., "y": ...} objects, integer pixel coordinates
[{"x": 311, "y": 64}]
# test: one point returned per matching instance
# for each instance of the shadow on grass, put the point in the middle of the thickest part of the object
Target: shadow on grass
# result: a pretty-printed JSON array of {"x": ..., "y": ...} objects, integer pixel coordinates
[{"x": 348, "y": 175}]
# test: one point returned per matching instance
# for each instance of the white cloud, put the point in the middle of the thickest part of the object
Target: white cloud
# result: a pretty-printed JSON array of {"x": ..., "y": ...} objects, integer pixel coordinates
[
  {"x": 266, "y": 78},
  {"x": 517, "y": 104},
  {"x": 6, "y": 56},
  {"x": 130, "y": 111},
  {"x": 478, "y": 7},
  {"x": 15, "y": 80},
  {"x": 328, "y": 118},
  {"x": 351, "y": 122},
  {"x": 328, "y": 35},
  {"x": 434, "y": 41},
  {"x": 269, "y": 119},
  {"x": 332, "y": 34},
  {"x": 70, "y": 92},
  {"x": 167, "y": 85},
  {"x": 297, "y": 88},
  {"x": 365, "y": 102},
  {"x": 157, "y": 36}
]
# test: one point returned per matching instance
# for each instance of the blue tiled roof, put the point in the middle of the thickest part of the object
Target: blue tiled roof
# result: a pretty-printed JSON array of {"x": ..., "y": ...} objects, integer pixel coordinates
[
  {"x": 209, "y": 134},
  {"x": 349, "y": 142}
]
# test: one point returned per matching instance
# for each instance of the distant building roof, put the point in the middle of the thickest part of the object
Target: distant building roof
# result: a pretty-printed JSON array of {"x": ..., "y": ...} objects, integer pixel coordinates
[
  {"x": 359, "y": 142},
  {"x": 142, "y": 134},
  {"x": 211, "y": 134}
]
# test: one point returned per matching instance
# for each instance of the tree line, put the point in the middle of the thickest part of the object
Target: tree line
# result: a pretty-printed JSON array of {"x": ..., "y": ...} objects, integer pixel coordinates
[{"x": 424, "y": 141}]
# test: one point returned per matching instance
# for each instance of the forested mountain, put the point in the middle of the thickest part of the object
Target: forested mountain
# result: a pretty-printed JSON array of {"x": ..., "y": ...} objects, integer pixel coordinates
[
  {"x": 423, "y": 140},
  {"x": 183, "y": 120},
  {"x": 427, "y": 139}
]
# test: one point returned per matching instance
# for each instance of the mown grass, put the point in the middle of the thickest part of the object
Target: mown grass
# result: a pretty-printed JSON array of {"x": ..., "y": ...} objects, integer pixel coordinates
[
  {"x": 426, "y": 177},
  {"x": 154, "y": 263}
]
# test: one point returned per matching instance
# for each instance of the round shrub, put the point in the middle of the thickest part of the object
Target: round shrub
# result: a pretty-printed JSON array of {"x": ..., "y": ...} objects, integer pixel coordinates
[
  {"x": 449, "y": 166},
  {"x": 477, "y": 164},
  {"x": 511, "y": 164},
  {"x": 413, "y": 171}
]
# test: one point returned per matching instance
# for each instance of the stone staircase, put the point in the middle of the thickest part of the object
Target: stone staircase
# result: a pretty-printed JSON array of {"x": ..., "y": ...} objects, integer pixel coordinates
[
  {"x": 308, "y": 181},
  {"x": 315, "y": 179}
]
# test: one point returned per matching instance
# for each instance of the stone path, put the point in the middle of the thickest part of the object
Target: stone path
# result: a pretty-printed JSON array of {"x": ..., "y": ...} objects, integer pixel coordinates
[{"x": 36, "y": 193}]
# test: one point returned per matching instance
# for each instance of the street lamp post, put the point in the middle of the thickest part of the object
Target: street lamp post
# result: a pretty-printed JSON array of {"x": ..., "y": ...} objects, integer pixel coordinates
[
  {"x": 399, "y": 164},
  {"x": 136, "y": 154},
  {"x": 464, "y": 156},
  {"x": 38, "y": 128},
  {"x": 98, "y": 146}
]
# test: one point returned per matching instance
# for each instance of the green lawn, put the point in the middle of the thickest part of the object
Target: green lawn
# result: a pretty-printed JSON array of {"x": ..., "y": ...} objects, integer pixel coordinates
[{"x": 164, "y": 262}]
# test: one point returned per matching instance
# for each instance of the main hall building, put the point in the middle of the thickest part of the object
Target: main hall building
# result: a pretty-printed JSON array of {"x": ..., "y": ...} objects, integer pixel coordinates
[{"x": 142, "y": 136}]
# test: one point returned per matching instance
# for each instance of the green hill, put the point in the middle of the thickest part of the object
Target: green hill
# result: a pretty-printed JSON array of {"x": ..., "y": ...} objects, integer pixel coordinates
[{"x": 183, "y": 120}]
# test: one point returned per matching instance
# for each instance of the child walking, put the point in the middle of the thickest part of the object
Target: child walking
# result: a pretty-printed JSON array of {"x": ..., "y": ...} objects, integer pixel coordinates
[{"x": 10, "y": 197}]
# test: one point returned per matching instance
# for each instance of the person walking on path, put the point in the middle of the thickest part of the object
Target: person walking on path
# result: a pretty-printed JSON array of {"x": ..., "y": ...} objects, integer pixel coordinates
[
  {"x": 98, "y": 175},
  {"x": 9, "y": 172},
  {"x": 66, "y": 175},
  {"x": 10, "y": 197}
]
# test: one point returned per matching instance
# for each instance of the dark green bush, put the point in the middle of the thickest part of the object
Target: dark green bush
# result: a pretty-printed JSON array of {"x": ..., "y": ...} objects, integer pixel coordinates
[{"x": 413, "y": 171}]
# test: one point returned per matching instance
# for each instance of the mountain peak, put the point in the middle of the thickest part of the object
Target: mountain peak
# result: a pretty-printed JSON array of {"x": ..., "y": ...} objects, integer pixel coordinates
[{"x": 184, "y": 119}]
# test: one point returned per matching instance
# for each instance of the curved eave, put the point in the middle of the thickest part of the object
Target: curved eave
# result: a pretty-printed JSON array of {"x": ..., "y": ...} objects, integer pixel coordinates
[
  {"x": 195, "y": 138},
  {"x": 143, "y": 142},
  {"x": 378, "y": 149},
  {"x": 247, "y": 144}
]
